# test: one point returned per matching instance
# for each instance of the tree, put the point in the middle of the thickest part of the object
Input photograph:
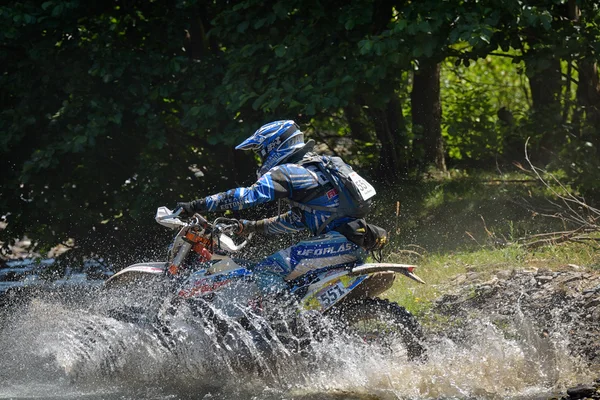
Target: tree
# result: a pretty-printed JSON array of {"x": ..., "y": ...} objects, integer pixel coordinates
[
  {"x": 427, "y": 113},
  {"x": 101, "y": 118}
]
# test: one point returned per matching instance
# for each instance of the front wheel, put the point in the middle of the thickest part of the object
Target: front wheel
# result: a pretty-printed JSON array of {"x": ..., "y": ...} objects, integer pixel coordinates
[{"x": 381, "y": 322}]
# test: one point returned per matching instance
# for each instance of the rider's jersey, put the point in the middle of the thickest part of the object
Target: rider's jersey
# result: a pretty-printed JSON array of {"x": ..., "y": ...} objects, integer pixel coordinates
[{"x": 302, "y": 184}]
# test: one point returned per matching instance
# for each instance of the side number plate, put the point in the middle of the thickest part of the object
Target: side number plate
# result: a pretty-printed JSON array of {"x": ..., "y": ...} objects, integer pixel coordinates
[{"x": 331, "y": 294}]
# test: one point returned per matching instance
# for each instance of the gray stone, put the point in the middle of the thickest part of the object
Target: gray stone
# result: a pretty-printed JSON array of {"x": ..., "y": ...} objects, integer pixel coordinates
[
  {"x": 544, "y": 278},
  {"x": 592, "y": 303},
  {"x": 504, "y": 274},
  {"x": 581, "y": 391}
]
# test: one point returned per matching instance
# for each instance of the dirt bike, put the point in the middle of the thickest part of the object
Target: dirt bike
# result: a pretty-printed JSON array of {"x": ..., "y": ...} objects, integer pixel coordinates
[{"x": 200, "y": 270}]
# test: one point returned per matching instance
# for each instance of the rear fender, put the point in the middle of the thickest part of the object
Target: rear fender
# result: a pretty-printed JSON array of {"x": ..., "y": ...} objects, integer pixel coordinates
[
  {"x": 141, "y": 271},
  {"x": 404, "y": 269}
]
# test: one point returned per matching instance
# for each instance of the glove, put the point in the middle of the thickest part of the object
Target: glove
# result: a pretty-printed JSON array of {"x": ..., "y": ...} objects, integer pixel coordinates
[
  {"x": 246, "y": 227},
  {"x": 190, "y": 208}
]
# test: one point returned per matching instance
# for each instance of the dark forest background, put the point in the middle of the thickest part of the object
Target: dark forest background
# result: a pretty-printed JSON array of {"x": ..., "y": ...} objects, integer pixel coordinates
[{"x": 110, "y": 109}]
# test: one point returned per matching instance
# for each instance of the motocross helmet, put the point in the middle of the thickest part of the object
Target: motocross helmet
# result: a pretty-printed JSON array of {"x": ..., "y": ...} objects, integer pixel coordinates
[{"x": 274, "y": 143}]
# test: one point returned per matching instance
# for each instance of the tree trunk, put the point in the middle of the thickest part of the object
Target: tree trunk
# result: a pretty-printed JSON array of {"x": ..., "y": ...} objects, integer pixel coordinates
[
  {"x": 391, "y": 133},
  {"x": 427, "y": 116},
  {"x": 196, "y": 42},
  {"x": 545, "y": 85},
  {"x": 588, "y": 97},
  {"x": 358, "y": 130},
  {"x": 544, "y": 73}
]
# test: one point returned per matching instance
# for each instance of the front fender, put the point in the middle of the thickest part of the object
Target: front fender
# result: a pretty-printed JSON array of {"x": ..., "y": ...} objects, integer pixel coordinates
[{"x": 136, "y": 272}]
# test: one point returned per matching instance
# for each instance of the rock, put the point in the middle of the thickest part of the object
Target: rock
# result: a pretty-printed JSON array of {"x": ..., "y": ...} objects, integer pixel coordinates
[
  {"x": 483, "y": 288},
  {"x": 595, "y": 316},
  {"x": 592, "y": 303},
  {"x": 544, "y": 279},
  {"x": 472, "y": 276},
  {"x": 574, "y": 276},
  {"x": 581, "y": 391},
  {"x": 532, "y": 282},
  {"x": 491, "y": 282},
  {"x": 592, "y": 290},
  {"x": 504, "y": 274}
]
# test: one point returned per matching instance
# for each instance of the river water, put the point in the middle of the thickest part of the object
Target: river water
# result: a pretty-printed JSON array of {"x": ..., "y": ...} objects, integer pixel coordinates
[{"x": 65, "y": 347}]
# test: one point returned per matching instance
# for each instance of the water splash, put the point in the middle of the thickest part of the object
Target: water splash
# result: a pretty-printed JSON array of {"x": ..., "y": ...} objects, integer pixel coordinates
[{"x": 71, "y": 347}]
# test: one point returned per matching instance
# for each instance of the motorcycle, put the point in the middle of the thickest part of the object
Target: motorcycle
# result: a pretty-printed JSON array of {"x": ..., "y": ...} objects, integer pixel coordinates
[{"x": 201, "y": 271}]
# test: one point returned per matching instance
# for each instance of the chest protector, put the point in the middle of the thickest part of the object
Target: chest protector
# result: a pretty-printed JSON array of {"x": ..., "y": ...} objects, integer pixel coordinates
[{"x": 354, "y": 192}]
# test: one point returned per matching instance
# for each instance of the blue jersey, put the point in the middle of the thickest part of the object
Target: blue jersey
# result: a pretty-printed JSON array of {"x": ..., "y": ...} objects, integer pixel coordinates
[{"x": 305, "y": 186}]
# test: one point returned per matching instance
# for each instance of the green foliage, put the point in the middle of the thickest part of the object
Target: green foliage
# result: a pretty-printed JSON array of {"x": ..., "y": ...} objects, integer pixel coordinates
[
  {"x": 92, "y": 136},
  {"x": 473, "y": 96},
  {"x": 110, "y": 109}
]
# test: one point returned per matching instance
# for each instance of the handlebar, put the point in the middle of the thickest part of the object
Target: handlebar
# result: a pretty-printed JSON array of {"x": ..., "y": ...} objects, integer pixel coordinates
[
  {"x": 221, "y": 227},
  {"x": 226, "y": 225}
]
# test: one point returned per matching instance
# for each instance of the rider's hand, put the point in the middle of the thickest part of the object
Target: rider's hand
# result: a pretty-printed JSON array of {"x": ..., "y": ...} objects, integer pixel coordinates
[
  {"x": 246, "y": 227},
  {"x": 186, "y": 209},
  {"x": 236, "y": 225},
  {"x": 190, "y": 208}
]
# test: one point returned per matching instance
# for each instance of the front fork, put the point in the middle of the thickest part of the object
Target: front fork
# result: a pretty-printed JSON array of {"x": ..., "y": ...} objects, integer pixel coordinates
[{"x": 183, "y": 251}]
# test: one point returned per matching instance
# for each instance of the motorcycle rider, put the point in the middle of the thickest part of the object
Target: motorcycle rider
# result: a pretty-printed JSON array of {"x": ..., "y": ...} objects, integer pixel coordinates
[{"x": 291, "y": 171}]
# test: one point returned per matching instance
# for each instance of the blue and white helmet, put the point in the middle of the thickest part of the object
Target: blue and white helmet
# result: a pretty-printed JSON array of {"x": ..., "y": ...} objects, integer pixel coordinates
[{"x": 274, "y": 142}]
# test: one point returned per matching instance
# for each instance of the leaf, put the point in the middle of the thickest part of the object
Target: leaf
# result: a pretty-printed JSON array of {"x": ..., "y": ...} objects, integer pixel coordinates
[
  {"x": 194, "y": 111},
  {"x": 288, "y": 87},
  {"x": 280, "y": 50},
  {"x": 424, "y": 26},
  {"x": 57, "y": 10},
  {"x": 349, "y": 24},
  {"x": 259, "y": 101},
  {"x": 46, "y": 5},
  {"x": 546, "y": 20},
  {"x": 365, "y": 46},
  {"x": 259, "y": 24},
  {"x": 241, "y": 28},
  {"x": 400, "y": 26},
  {"x": 417, "y": 51}
]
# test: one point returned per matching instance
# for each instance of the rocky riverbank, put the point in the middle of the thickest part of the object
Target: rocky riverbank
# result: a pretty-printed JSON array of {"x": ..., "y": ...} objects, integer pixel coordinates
[{"x": 556, "y": 305}]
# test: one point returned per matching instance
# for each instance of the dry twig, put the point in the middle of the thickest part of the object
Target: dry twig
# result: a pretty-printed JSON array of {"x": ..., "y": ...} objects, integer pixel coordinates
[{"x": 570, "y": 209}]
